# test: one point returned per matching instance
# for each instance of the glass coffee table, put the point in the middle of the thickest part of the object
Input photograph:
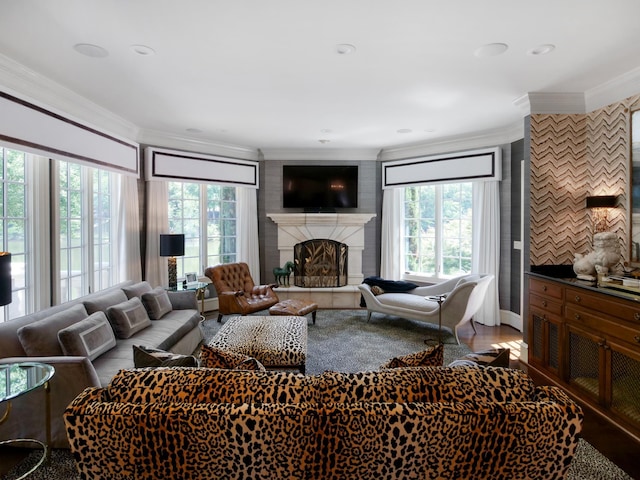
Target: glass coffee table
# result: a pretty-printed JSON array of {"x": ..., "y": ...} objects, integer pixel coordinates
[{"x": 17, "y": 379}]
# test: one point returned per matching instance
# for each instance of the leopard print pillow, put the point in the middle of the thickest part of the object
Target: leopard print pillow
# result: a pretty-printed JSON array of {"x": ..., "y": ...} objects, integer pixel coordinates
[
  {"x": 212, "y": 357},
  {"x": 431, "y": 357}
]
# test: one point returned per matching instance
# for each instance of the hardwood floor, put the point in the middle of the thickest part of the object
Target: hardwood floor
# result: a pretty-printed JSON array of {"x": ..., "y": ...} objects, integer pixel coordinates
[{"x": 622, "y": 449}]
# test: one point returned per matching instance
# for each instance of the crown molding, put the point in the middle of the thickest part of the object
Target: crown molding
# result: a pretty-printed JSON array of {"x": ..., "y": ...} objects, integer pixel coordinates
[
  {"x": 179, "y": 142},
  {"x": 553, "y": 102},
  {"x": 614, "y": 90},
  {"x": 21, "y": 82},
  {"x": 488, "y": 138},
  {"x": 320, "y": 154}
]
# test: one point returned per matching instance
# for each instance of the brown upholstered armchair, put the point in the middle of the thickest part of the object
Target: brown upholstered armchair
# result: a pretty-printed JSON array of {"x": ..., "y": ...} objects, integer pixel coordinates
[{"x": 236, "y": 291}]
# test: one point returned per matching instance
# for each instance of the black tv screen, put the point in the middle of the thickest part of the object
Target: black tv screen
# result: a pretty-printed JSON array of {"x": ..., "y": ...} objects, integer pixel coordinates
[{"x": 317, "y": 188}]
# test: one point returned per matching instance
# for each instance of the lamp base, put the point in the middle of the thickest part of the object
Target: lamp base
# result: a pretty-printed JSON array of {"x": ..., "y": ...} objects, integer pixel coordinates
[{"x": 173, "y": 272}]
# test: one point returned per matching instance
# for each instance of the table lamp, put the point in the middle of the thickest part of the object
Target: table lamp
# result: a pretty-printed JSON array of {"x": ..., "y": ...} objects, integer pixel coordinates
[
  {"x": 5, "y": 278},
  {"x": 172, "y": 246}
]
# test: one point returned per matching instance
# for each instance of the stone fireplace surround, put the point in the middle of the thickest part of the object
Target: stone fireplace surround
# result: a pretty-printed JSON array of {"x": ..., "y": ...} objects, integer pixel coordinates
[{"x": 347, "y": 228}]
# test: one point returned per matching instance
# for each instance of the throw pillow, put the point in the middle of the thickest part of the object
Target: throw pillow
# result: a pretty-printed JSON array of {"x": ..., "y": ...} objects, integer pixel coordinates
[
  {"x": 136, "y": 290},
  {"x": 153, "y": 357},
  {"x": 40, "y": 338},
  {"x": 431, "y": 357},
  {"x": 211, "y": 357},
  {"x": 376, "y": 290},
  {"x": 90, "y": 337},
  {"x": 493, "y": 357},
  {"x": 157, "y": 303},
  {"x": 128, "y": 317}
]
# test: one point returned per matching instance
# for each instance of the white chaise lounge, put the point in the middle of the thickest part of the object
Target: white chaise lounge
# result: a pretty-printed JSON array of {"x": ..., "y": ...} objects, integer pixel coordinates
[{"x": 464, "y": 297}]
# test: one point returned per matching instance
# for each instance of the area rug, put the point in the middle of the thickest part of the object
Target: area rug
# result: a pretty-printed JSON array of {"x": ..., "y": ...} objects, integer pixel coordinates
[{"x": 343, "y": 340}]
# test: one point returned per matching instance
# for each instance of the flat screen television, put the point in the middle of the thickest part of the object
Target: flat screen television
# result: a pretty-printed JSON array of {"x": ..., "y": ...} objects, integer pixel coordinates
[{"x": 320, "y": 188}]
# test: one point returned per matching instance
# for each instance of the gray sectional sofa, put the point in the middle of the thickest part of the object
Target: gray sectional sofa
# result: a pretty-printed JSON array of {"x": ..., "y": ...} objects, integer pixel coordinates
[{"x": 88, "y": 340}]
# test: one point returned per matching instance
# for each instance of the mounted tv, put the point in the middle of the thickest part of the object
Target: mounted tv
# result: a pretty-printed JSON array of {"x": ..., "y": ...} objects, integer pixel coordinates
[{"x": 320, "y": 188}]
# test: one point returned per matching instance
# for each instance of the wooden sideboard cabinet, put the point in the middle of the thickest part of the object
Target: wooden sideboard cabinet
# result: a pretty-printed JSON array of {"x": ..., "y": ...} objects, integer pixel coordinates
[{"x": 587, "y": 340}]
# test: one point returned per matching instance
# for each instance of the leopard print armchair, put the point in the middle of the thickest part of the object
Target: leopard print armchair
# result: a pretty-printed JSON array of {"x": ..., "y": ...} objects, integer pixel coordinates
[
  {"x": 429, "y": 422},
  {"x": 237, "y": 293}
]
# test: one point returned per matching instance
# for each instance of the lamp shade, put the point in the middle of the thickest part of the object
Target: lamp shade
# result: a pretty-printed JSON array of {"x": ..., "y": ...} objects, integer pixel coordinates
[
  {"x": 602, "y": 201},
  {"x": 172, "y": 245},
  {"x": 5, "y": 278}
]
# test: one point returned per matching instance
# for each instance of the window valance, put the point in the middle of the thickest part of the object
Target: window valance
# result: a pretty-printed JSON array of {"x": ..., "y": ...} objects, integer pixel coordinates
[
  {"x": 167, "y": 165},
  {"x": 474, "y": 165},
  {"x": 34, "y": 129}
]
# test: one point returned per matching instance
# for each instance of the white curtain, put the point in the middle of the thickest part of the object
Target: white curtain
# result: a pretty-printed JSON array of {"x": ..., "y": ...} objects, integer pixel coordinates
[
  {"x": 247, "y": 230},
  {"x": 391, "y": 242},
  {"x": 486, "y": 246},
  {"x": 157, "y": 223},
  {"x": 127, "y": 254}
]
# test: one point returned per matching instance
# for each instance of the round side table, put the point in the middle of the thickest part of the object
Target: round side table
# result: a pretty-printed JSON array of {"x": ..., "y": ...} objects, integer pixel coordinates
[{"x": 17, "y": 379}]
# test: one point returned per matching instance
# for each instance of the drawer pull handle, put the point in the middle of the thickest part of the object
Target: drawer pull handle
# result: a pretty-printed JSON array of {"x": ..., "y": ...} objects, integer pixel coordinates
[
  {"x": 578, "y": 299},
  {"x": 544, "y": 288},
  {"x": 636, "y": 316},
  {"x": 637, "y": 338},
  {"x": 576, "y": 316},
  {"x": 544, "y": 303}
]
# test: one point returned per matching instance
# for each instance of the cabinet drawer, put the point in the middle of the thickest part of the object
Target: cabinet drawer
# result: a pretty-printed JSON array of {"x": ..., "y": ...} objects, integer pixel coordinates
[
  {"x": 627, "y": 311},
  {"x": 626, "y": 332},
  {"x": 546, "y": 304},
  {"x": 545, "y": 289}
]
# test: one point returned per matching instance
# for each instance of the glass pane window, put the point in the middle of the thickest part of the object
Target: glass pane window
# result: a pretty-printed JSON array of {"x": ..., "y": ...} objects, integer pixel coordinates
[
  {"x": 102, "y": 231},
  {"x": 72, "y": 236},
  {"x": 14, "y": 224},
  {"x": 438, "y": 230},
  {"x": 86, "y": 229},
  {"x": 208, "y": 212}
]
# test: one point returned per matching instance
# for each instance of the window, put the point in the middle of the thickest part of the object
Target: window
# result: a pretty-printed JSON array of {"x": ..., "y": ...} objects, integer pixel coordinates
[
  {"x": 203, "y": 212},
  {"x": 85, "y": 230},
  {"x": 438, "y": 230},
  {"x": 14, "y": 228}
]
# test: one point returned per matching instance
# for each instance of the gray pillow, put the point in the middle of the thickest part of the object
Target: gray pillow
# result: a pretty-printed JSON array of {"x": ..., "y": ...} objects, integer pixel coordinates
[
  {"x": 40, "y": 339},
  {"x": 100, "y": 302},
  {"x": 152, "y": 357},
  {"x": 137, "y": 289},
  {"x": 157, "y": 303},
  {"x": 90, "y": 337},
  {"x": 128, "y": 317}
]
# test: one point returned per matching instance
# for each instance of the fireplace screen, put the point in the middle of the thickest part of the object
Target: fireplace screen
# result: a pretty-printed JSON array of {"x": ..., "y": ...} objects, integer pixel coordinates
[{"x": 320, "y": 263}]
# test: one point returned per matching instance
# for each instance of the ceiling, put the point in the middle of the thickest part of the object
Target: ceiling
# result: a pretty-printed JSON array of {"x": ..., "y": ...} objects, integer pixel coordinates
[{"x": 268, "y": 75}]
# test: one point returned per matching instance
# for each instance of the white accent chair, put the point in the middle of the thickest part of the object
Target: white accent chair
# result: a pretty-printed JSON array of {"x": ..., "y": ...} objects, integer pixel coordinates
[{"x": 464, "y": 297}]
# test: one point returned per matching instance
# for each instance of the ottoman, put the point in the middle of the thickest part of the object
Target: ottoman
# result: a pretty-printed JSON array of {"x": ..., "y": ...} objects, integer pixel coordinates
[
  {"x": 295, "y": 307},
  {"x": 279, "y": 343}
]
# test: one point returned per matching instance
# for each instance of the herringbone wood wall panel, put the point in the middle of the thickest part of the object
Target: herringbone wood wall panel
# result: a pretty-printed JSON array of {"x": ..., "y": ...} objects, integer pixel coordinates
[{"x": 572, "y": 157}]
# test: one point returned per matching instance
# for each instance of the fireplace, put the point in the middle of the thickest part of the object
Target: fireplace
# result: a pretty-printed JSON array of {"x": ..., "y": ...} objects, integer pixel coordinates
[
  {"x": 345, "y": 228},
  {"x": 320, "y": 263}
]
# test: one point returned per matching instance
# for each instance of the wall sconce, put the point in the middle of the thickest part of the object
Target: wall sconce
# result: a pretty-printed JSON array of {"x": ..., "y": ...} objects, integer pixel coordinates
[
  {"x": 5, "y": 278},
  {"x": 172, "y": 246},
  {"x": 600, "y": 206}
]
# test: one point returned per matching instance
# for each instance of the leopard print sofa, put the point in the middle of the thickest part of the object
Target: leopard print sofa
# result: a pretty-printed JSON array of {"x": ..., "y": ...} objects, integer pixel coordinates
[{"x": 429, "y": 422}]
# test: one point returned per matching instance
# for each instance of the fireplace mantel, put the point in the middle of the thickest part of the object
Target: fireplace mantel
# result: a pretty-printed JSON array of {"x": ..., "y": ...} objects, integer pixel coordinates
[{"x": 347, "y": 228}]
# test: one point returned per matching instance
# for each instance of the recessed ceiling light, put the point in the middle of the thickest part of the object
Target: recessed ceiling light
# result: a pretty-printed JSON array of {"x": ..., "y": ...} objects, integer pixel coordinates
[
  {"x": 404, "y": 130},
  {"x": 142, "y": 50},
  {"x": 429, "y": 130},
  {"x": 345, "y": 49},
  {"x": 542, "y": 49},
  {"x": 324, "y": 140},
  {"x": 326, "y": 130},
  {"x": 491, "y": 50},
  {"x": 90, "y": 50}
]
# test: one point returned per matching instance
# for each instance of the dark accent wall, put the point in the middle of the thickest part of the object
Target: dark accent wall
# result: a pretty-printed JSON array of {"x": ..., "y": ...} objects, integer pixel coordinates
[{"x": 270, "y": 201}]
